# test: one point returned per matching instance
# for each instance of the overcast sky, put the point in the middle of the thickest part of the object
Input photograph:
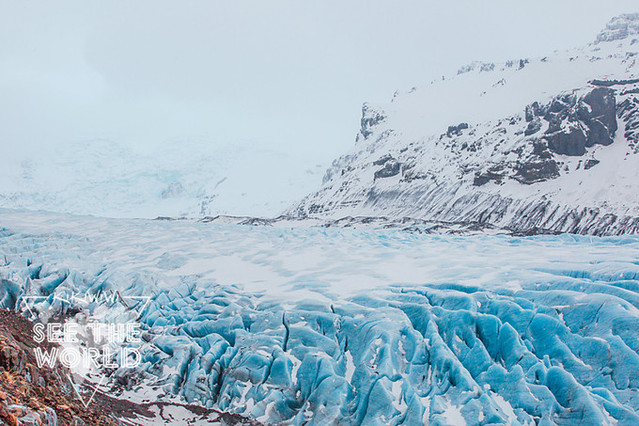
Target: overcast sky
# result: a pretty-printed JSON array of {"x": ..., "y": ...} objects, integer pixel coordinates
[{"x": 281, "y": 74}]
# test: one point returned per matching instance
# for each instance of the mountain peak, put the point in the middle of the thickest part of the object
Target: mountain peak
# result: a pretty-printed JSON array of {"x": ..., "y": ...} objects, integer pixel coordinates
[
  {"x": 620, "y": 28},
  {"x": 551, "y": 145}
]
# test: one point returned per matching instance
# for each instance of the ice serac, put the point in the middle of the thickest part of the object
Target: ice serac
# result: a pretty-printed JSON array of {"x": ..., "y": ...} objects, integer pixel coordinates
[{"x": 544, "y": 145}]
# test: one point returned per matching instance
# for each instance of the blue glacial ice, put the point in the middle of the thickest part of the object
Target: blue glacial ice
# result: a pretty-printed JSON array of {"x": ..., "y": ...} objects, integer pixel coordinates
[{"x": 317, "y": 326}]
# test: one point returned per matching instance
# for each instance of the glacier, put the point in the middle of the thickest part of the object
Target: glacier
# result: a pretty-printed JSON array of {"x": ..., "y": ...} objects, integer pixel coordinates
[{"x": 314, "y": 325}]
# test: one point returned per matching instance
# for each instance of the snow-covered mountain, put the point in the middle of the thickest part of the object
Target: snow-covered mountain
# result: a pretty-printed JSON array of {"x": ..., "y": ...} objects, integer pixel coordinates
[
  {"x": 105, "y": 178},
  {"x": 548, "y": 144}
]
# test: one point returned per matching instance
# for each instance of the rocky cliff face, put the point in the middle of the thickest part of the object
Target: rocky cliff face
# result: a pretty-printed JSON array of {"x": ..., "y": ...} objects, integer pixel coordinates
[{"x": 531, "y": 145}]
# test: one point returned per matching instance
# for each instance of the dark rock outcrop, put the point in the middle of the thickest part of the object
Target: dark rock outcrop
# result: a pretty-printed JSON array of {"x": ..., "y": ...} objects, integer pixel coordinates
[
  {"x": 487, "y": 176},
  {"x": 589, "y": 164},
  {"x": 391, "y": 168},
  {"x": 537, "y": 171},
  {"x": 533, "y": 110},
  {"x": 383, "y": 160},
  {"x": 628, "y": 111},
  {"x": 370, "y": 118},
  {"x": 571, "y": 141},
  {"x": 610, "y": 83},
  {"x": 533, "y": 127},
  {"x": 602, "y": 109},
  {"x": 575, "y": 124},
  {"x": 456, "y": 130}
]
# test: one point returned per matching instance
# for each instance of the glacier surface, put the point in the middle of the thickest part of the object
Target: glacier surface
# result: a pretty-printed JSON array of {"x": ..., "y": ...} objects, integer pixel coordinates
[{"x": 309, "y": 325}]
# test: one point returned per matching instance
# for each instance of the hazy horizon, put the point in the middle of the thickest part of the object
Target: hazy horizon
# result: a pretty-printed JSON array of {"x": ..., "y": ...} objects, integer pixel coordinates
[{"x": 284, "y": 78}]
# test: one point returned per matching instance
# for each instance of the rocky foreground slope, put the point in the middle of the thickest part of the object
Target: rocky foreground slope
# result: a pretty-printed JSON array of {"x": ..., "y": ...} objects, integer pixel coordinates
[
  {"x": 531, "y": 145},
  {"x": 44, "y": 396},
  {"x": 37, "y": 396}
]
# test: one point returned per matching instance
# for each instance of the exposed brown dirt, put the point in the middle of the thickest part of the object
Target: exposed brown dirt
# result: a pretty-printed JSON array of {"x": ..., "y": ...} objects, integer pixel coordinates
[{"x": 36, "y": 390}]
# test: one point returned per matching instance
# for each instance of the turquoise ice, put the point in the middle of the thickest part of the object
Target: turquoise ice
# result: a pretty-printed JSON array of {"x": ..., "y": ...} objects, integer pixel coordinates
[{"x": 500, "y": 330}]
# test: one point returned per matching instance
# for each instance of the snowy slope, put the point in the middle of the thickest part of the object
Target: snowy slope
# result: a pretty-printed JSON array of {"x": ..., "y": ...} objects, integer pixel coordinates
[
  {"x": 104, "y": 178},
  {"x": 546, "y": 144},
  {"x": 323, "y": 326}
]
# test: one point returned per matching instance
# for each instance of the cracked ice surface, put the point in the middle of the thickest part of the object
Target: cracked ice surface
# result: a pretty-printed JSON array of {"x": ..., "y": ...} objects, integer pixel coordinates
[{"x": 361, "y": 327}]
